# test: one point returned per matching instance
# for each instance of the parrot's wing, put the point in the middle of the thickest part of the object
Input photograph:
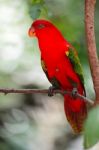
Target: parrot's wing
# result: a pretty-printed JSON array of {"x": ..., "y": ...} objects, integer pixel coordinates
[
  {"x": 44, "y": 67},
  {"x": 53, "y": 80},
  {"x": 74, "y": 59}
]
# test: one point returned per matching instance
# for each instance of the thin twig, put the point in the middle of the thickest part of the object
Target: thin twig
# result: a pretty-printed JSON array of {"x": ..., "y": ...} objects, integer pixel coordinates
[
  {"x": 85, "y": 98},
  {"x": 43, "y": 91}
]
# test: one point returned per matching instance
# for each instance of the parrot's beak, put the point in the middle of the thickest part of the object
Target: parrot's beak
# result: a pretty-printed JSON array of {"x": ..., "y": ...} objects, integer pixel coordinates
[{"x": 31, "y": 32}]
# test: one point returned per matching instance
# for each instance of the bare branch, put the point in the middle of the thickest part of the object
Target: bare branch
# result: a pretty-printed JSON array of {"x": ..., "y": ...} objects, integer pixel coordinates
[
  {"x": 91, "y": 44},
  {"x": 43, "y": 91},
  {"x": 85, "y": 98}
]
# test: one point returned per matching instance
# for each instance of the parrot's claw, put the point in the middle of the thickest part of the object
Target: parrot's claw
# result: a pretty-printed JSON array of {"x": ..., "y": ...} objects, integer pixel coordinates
[
  {"x": 51, "y": 91},
  {"x": 74, "y": 92}
]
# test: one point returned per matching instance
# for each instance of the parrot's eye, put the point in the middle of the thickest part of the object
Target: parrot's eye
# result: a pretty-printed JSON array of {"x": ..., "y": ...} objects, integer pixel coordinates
[{"x": 40, "y": 26}]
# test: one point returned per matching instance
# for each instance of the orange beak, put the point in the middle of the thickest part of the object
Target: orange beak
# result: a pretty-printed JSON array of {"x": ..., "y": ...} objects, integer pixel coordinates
[{"x": 31, "y": 32}]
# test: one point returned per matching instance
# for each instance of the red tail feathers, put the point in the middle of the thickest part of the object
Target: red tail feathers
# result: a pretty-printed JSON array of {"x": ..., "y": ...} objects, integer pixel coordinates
[{"x": 76, "y": 112}]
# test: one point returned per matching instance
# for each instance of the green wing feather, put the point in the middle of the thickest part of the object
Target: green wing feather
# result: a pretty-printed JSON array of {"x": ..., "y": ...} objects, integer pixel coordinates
[{"x": 72, "y": 55}]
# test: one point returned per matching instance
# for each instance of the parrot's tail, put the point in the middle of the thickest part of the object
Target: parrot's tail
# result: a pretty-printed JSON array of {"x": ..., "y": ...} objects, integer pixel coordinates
[{"x": 76, "y": 112}]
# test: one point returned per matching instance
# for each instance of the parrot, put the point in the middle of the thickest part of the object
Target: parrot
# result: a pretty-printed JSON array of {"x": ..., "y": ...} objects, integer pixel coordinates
[{"x": 62, "y": 67}]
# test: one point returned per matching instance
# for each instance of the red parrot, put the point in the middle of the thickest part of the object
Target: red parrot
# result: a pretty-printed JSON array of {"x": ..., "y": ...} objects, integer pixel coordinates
[{"x": 62, "y": 67}]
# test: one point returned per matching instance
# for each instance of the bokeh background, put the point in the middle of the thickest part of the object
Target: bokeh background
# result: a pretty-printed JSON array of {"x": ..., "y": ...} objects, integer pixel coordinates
[{"x": 35, "y": 121}]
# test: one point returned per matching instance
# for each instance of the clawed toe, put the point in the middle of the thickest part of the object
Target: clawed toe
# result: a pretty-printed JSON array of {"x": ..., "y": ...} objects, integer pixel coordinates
[
  {"x": 51, "y": 91},
  {"x": 74, "y": 92}
]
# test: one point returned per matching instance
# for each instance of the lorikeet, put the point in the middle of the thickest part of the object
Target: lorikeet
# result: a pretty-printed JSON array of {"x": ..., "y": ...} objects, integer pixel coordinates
[{"x": 62, "y": 67}]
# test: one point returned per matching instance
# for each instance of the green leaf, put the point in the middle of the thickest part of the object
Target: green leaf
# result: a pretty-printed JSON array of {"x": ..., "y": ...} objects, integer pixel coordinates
[
  {"x": 91, "y": 132},
  {"x": 35, "y": 8},
  {"x": 35, "y": 11}
]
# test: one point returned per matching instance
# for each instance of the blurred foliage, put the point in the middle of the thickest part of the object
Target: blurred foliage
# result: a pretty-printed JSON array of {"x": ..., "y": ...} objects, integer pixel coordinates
[
  {"x": 23, "y": 117},
  {"x": 91, "y": 132}
]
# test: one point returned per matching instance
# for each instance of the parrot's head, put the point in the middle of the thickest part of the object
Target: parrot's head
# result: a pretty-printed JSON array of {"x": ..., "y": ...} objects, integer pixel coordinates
[{"x": 39, "y": 28}]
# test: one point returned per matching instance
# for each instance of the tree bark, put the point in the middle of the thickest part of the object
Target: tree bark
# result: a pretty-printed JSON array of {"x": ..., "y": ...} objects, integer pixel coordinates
[{"x": 91, "y": 45}]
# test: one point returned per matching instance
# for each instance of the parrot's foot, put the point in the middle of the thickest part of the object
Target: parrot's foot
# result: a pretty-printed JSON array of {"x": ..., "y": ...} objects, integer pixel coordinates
[
  {"x": 51, "y": 91},
  {"x": 74, "y": 92}
]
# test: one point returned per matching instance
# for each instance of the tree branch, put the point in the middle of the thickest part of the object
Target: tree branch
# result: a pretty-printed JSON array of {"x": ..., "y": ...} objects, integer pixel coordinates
[
  {"x": 91, "y": 44},
  {"x": 44, "y": 91}
]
